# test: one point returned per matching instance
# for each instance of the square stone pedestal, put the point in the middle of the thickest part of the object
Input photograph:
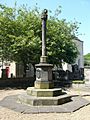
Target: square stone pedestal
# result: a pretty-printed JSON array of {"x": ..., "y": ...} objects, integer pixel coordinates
[
  {"x": 44, "y": 76},
  {"x": 43, "y": 84}
]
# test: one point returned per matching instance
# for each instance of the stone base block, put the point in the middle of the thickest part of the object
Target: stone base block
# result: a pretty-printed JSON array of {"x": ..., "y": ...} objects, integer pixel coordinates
[
  {"x": 43, "y": 85},
  {"x": 44, "y": 92},
  {"x": 43, "y": 101},
  {"x": 43, "y": 59}
]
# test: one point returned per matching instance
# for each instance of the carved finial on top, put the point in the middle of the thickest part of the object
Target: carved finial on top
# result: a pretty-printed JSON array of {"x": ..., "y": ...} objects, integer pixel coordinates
[{"x": 44, "y": 14}]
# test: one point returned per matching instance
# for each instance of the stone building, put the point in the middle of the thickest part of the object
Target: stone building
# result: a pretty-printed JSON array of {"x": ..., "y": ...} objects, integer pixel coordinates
[
  {"x": 12, "y": 69},
  {"x": 76, "y": 69},
  {"x": 79, "y": 60},
  {"x": 87, "y": 73},
  {"x": 7, "y": 69}
]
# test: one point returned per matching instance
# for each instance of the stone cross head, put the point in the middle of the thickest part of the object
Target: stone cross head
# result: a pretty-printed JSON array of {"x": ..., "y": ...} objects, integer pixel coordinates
[{"x": 44, "y": 14}]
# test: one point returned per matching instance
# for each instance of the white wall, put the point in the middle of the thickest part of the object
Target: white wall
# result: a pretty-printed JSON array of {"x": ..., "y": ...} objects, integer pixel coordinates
[
  {"x": 80, "y": 58},
  {"x": 12, "y": 68},
  {"x": 67, "y": 67},
  {"x": 87, "y": 73}
]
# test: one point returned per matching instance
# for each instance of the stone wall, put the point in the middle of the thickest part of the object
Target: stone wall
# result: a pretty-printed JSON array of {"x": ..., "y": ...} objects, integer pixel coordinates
[
  {"x": 17, "y": 82},
  {"x": 87, "y": 73}
]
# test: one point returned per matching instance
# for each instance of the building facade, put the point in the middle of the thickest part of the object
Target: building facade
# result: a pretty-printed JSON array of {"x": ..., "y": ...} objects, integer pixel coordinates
[
  {"x": 7, "y": 69},
  {"x": 79, "y": 60}
]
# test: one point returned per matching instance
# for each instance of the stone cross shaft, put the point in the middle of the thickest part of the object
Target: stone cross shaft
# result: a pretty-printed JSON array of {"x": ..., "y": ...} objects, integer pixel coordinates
[
  {"x": 43, "y": 38},
  {"x": 44, "y": 20}
]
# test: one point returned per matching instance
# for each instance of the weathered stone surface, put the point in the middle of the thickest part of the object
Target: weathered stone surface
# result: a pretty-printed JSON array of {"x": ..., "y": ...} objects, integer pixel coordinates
[
  {"x": 43, "y": 85},
  {"x": 44, "y": 101},
  {"x": 44, "y": 72},
  {"x": 43, "y": 59},
  {"x": 44, "y": 92}
]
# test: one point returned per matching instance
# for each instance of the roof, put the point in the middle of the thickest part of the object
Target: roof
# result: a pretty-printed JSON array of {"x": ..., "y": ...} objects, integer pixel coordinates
[{"x": 76, "y": 38}]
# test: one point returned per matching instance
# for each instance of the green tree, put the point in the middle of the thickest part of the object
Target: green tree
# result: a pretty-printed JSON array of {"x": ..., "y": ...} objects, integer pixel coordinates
[
  {"x": 59, "y": 39},
  {"x": 20, "y": 37},
  {"x": 87, "y": 59},
  {"x": 20, "y": 33}
]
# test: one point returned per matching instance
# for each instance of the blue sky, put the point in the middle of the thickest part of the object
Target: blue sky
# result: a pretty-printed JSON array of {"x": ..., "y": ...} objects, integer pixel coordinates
[{"x": 71, "y": 9}]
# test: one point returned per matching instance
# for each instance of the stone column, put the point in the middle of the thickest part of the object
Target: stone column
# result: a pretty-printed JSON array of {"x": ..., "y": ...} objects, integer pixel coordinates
[{"x": 44, "y": 20}]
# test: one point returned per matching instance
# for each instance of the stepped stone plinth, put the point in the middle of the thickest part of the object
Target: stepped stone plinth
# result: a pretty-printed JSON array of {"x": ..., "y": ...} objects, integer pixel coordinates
[
  {"x": 44, "y": 92},
  {"x": 44, "y": 101}
]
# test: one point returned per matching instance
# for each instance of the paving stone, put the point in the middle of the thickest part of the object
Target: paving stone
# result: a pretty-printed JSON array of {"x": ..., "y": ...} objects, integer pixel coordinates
[
  {"x": 33, "y": 110},
  {"x": 75, "y": 104},
  {"x": 59, "y": 109},
  {"x": 10, "y": 102},
  {"x": 46, "y": 109}
]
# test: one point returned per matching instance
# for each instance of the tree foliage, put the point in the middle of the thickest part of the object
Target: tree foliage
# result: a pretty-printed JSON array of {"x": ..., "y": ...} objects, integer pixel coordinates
[
  {"x": 87, "y": 59},
  {"x": 59, "y": 40},
  {"x": 20, "y": 37}
]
